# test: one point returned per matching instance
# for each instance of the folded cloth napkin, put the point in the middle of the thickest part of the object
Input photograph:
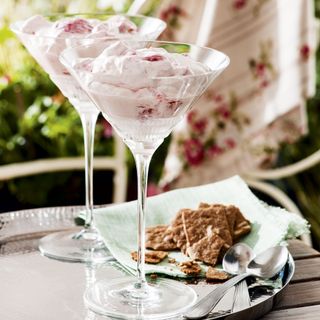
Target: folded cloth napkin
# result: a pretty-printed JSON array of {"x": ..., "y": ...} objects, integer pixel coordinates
[{"x": 270, "y": 225}]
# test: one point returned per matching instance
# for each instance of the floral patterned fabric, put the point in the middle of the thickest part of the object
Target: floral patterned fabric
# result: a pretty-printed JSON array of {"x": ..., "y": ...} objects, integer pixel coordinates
[{"x": 258, "y": 103}]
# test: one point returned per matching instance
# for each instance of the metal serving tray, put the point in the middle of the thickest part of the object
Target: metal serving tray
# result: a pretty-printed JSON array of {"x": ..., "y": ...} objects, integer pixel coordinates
[{"x": 52, "y": 290}]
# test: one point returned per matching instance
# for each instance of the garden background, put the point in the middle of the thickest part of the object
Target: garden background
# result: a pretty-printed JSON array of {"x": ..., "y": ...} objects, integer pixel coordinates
[{"x": 36, "y": 121}]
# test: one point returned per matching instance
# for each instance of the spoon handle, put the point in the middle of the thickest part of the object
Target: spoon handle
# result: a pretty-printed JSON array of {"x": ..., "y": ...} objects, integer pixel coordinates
[
  {"x": 203, "y": 307},
  {"x": 241, "y": 298}
]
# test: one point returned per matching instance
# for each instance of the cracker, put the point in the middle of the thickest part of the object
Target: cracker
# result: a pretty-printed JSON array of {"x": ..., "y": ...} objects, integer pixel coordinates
[
  {"x": 238, "y": 224},
  {"x": 191, "y": 268},
  {"x": 152, "y": 257},
  {"x": 204, "y": 205},
  {"x": 231, "y": 214},
  {"x": 177, "y": 230},
  {"x": 172, "y": 260},
  {"x": 160, "y": 238},
  {"x": 190, "y": 226},
  {"x": 207, "y": 249},
  {"x": 242, "y": 225},
  {"x": 214, "y": 274}
]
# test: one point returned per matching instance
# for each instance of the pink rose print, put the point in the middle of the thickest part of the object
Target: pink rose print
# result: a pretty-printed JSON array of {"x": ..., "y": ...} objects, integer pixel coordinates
[
  {"x": 230, "y": 143},
  {"x": 204, "y": 132},
  {"x": 264, "y": 83},
  {"x": 262, "y": 67},
  {"x": 194, "y": 151},
  {"x": 305, "y": 52},
  {"x": 215, "y": 150},
  {"x": 191, "y": 116},
  {"x": 239, "y": 4},
  {"x": 223, "y": 111},
  {"x": 198, "y": 126}
]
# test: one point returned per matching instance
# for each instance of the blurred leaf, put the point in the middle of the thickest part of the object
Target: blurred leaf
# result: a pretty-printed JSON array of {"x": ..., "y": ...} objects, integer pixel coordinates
[
  {"x": 180, "y": 48},
  {"x": 5, "y": 34}
]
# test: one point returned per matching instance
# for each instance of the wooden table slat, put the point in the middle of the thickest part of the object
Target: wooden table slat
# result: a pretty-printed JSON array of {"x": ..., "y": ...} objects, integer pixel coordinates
[
  {"x": 300, "y": 295},
  {"x": 307, "y": 270},
  {"x": 300, "y": 250},
  {"x": 305, "y": 313}
]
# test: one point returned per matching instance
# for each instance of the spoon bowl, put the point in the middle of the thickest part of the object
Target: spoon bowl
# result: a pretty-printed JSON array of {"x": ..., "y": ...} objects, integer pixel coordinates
[
  {"x": 268, "y": 263},
  {"x": 237, "y": 258}
]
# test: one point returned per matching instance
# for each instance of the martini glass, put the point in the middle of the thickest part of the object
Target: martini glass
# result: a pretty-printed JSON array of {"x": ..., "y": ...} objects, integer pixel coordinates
[
  {"x": 143, "y": 111},
  {"x": 85, "y": 244}
]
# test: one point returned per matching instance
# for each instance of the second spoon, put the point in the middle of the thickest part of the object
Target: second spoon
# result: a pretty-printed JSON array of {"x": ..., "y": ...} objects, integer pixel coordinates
[{"x": 235, "y": 261}]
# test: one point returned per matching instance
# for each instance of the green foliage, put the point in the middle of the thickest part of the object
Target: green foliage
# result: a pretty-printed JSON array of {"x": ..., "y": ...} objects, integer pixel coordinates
[
  {"x": 36, "y": 122},
  {"x": 36, "y": 190},
  {"x": 304, "y": 187},
  {"x": 5, "y": 34}
]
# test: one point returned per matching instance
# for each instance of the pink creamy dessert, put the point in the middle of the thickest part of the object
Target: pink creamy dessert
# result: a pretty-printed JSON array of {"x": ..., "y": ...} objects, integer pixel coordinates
[
  {"x": 47, "y": 39},
  {"x": 143, "y": 92},
  {"x": 141, "y": 83},
  {"x": 115, "y": 26}
]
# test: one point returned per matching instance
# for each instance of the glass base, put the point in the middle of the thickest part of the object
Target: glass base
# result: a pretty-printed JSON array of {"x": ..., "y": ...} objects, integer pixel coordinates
[
  {"x": 75, "y": 246},
  {"x": 119, "y": 298}
]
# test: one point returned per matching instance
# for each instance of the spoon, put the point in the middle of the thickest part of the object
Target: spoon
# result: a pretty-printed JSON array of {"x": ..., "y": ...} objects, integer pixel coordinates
[
  {"x": 235, "y": 261},
  {"x": 266, "y": 265}
]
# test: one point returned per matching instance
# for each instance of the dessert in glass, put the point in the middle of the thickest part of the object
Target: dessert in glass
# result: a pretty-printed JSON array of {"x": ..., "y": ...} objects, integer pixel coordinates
[
  {"x": 143, "y": 88},
  {"x": 45, "y": 38}
]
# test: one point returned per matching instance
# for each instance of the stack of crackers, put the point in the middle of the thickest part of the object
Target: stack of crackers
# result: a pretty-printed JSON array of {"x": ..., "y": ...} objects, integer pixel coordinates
[{"x": 204, "y": 234}]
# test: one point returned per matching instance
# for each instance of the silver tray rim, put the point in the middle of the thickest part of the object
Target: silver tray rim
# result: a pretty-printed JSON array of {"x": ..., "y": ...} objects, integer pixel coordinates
[{"x": 32, "y": 227}]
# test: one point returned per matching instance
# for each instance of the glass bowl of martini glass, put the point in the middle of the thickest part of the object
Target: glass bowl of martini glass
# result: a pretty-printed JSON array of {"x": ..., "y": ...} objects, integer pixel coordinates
[
  {"x": 143, "y": 88},
  {"x": 45, "y": 38}
]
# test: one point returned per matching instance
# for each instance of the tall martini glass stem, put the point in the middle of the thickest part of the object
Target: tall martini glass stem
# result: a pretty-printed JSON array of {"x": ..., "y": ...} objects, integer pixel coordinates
[
  {"x": 88, "y": 121},
  {"x": 142, "y": 164}
]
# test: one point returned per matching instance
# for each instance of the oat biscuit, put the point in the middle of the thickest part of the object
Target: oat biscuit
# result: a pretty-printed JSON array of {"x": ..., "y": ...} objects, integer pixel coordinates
[
  {"x": 177, "y": 230},
  {"x": 231, "y": 214},
  {"x": 191, "y": 268},
  {"x": 190, "y": 226},
  {"x": 207, "y": 249},
  {"x": 172, "y": 260},
  {"x": 152, "y": 257},
  {"x": 214, "y": 274},
  {"x": 204, "y": 234},
  {"x": 160, "y": 238},
  {"x": 242, "y": 225}
]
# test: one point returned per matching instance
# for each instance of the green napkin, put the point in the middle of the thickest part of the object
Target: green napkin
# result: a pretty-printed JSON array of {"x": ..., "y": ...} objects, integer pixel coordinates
[{"x": 270, "y": 225}]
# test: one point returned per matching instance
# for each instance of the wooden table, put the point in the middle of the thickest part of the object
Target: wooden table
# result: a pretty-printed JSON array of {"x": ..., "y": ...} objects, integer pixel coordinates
[
  {"x": 302, "y": 298},
  {"x": 37, "y": 288}
]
